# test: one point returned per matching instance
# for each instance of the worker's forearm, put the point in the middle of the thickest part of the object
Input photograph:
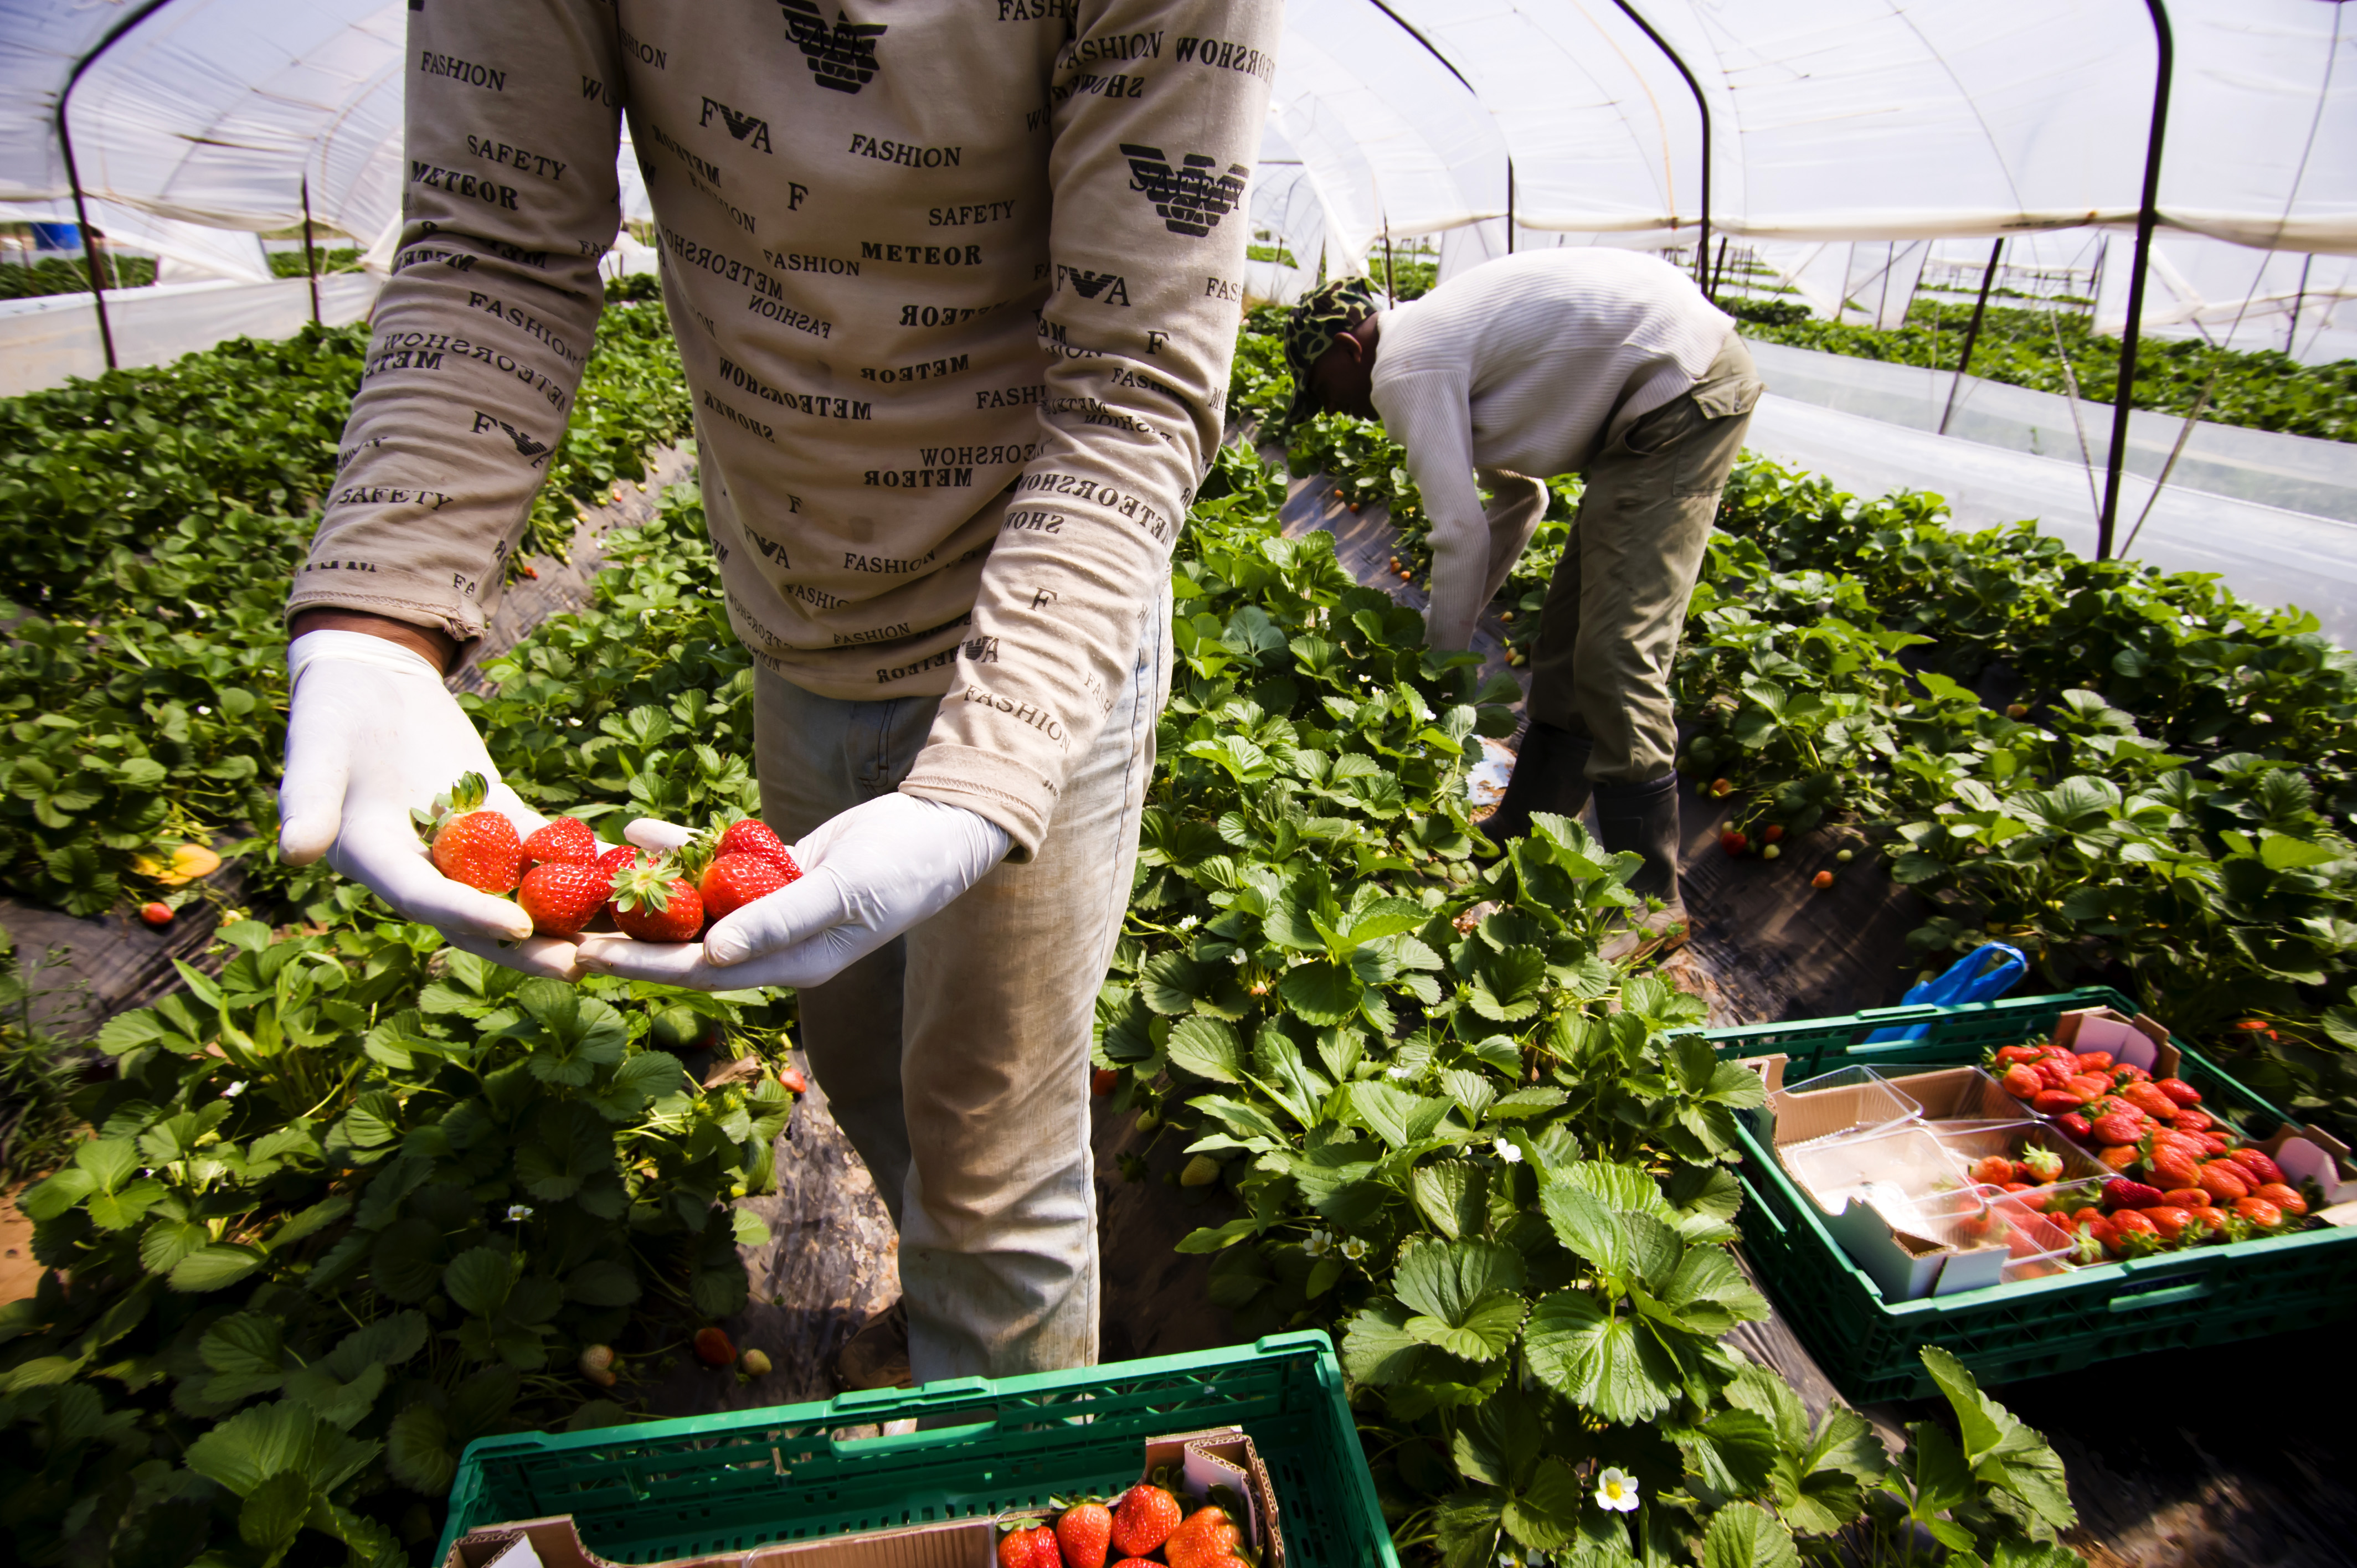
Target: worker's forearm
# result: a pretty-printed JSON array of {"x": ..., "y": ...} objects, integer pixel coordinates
[
  {"x": 1460, "y": 560},
  {"x": 437, "y": 646}
]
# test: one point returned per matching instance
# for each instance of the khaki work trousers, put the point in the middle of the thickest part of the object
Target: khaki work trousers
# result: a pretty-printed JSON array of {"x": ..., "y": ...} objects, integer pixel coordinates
[
  {"x": 1609, "y": 633},
  {"x": 956, "y": 1059}
]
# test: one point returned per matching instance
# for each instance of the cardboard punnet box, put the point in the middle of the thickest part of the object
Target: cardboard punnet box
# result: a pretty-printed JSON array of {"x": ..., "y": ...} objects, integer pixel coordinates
[{"x": 1198, "y": 1462}]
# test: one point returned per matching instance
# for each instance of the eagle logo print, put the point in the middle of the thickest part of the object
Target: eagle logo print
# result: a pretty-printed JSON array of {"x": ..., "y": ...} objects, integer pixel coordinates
[
  {"x": 843, "y": 56},
  {"x": 1191, "y": 199}
]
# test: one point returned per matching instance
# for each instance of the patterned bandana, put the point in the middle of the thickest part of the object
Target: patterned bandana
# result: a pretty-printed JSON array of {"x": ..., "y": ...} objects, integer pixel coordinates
[{"x": 1323, "y": 315}]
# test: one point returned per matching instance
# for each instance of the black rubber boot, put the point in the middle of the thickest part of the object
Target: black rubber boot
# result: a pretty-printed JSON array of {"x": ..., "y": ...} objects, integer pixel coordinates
[
  {"x": 1644, "y": 818},
  {"x": 1550, "y": 775}
]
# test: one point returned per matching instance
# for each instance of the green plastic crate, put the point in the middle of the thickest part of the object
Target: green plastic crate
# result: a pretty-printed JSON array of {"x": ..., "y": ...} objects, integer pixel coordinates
[
  {"x": 2206, "y": 1295},
  {"x": 729, "y": 1483}
]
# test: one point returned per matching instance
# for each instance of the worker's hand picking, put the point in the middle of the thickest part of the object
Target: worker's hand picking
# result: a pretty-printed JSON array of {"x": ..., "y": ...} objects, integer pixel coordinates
[
  {"x": 866, "y": 875},
  {"x": 371, "y": 733}
]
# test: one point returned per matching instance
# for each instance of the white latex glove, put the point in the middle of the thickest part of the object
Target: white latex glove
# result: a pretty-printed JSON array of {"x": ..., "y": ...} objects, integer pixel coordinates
[
  {"x": 371, "y": 731},
  {"x": 868, "y": 876},
  {"x": 1470, "y": 565}
]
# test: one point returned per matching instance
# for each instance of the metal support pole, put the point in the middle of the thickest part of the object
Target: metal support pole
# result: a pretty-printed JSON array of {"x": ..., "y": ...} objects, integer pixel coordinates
[
  {"x": 73, "y": 174},
  {"x": 2298, "y": 300},
  {"x": 89, "y": 240},
  {"x": 1718, "y": 271},
  {"x": 1509, "y": 207},
  {"x": 1388, "y": 288},
  {"x": 1702, "y": 247},
  {"x": 1972, "y": 330},
  {"x": 2147, "y": 214},
  {"x": 310, "y": 257}
]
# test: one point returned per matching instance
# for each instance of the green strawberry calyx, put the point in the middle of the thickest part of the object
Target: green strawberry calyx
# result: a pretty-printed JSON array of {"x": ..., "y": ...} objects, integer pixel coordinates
[
  {"x": 645, "y": 887},
  {"x": 466, "y": 796}
]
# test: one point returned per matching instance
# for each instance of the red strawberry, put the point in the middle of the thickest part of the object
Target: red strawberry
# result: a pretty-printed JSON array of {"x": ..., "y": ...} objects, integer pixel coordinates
[
  {"x": 1104, "y": 1080},
  {"x": 2123, "y": 1194},
  {"x": 1144, "y": 1519},
  {"x": 563, "y": 896},
  {"x": 1084, "y": 1533},
  {"x": 792, "y": 1077},
  {"x": 713, "y": 1348},
  {"x": 2077, "y": 1125},
  {"x": 2094, "y": 1061},
  {"x": 2283, "y": 1197},
  {"x": 1733, "y": 843},
  {"x": 2056, "y": 1101},
  {"x": 2150, "y": 1100},
  {"x": 2042, "y": 1164},
  {"x": 1772, "y": 832},
  {"x": 2226, "y": 1181},
  {"x": 2259, "y": 1212},
  {"x": 1995, "y": 1170},
  {"x": 750, "y": 835},
  {"x": 566, "y": 841},
  {"x": 2186, "y": 1198},
  {"x": 2191, "y": 1121},
  {"x": 733, "y": 881},
  {"x": 2170, "y": 1221},
  {"x": 1207, "y": 1539},
  {"x": 156, "y": 913},
  {"x": 2179, "y": 1090},
  {"x": 1032, "y": 1547},
  {"x": 653, "y": 903},
  {"x": 2021, "y": 1081},
  {"x": 2118, "y": 1127},
  {"x": 2257, "y": 1164},
  {"x": 1821, "y": 880},
  {"x": 2009, "y": 1055},
  {"x": 472, "y": 845}
]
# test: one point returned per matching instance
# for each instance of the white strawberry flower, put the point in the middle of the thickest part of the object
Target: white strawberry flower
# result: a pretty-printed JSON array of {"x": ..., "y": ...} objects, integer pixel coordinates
[
  {"x": 1354, "y": 1248},
  {"x": 519, "y": 1212},
  {"x": 1320, "y": 1243},
  {"x": 234, "y": 1090},
  {"x": 1616, "y": 1490},
  {"x": 1507, "y": 1152}
]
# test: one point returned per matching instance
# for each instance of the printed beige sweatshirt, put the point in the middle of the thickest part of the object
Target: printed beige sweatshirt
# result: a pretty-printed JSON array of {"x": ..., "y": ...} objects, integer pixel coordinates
[{"x": 956, "y": 283}]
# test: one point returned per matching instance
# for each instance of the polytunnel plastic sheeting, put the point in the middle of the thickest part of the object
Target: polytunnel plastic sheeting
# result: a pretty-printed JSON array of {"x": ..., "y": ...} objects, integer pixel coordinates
[
  {"x": 223, "y": 252},
  {"x": 48, "y": 340},
  {"x": 1394, "y": 143},
  {"x": 39, "y": 42},
  {"x": 2290, "y": 473},
  {"x": 1866, "y": 120},
  {"x": 2268, "y": 555},
  {"x": 219, "y": 110}
]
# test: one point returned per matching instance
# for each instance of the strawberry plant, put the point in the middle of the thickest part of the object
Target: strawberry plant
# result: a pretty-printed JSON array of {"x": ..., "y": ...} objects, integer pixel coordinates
[
  {"x": 158, "y": 514},
  {"x": 2264, "y": 389},
  {"x": 1493, "y": 1166},
  {"x": 346, "y": 1207}
]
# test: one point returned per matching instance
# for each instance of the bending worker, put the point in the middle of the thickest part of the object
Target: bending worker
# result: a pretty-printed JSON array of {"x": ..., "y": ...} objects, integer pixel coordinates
[
  {"x": 1604, "y": 363},
  {"x": 955, "y": 289}
]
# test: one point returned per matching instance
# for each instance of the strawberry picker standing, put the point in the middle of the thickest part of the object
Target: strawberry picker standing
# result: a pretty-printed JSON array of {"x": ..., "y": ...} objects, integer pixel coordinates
[
  {"x": 956, "y": 285},
  {"x": 1604, "y": 363}
]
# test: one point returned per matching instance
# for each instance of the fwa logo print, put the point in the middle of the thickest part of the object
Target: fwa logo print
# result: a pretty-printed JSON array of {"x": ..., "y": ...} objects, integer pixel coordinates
[
  {"x": 1191, "y": 199},
  {"x": 842, "y": 56}
]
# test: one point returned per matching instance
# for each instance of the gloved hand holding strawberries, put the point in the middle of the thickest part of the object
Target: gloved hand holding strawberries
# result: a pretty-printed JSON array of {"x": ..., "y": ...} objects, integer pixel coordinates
[
  {"x": 880, "y": 869},
  {"x": 371, "y": 731}
]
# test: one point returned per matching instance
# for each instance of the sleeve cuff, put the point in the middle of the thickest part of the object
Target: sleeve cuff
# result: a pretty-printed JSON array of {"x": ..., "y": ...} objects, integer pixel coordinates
[{"x": 990, "y": 785}]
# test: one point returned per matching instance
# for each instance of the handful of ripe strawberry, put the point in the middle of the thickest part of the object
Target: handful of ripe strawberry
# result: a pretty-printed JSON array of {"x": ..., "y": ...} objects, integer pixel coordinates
[
  {"x": 2182, "y": 1176},
  {"x": 1145, "y": 1525},
  {"x": 563, "y": 880}
]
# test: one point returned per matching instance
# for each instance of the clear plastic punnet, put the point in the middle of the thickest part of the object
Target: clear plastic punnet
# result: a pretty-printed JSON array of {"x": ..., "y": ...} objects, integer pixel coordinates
[{"x": 1851, "y": 1102}]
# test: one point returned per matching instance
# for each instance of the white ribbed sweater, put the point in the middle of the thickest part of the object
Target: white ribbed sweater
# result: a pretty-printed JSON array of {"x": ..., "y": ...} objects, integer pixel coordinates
[{"x": 1528, "y": 365}]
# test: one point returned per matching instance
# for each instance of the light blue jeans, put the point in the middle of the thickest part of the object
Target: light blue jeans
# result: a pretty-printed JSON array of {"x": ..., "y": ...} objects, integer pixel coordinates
[{"x": 956, "y": 1057}]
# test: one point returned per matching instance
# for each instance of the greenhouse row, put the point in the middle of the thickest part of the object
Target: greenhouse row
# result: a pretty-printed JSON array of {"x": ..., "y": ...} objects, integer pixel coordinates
[{"x": 1074, "y": 784}]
